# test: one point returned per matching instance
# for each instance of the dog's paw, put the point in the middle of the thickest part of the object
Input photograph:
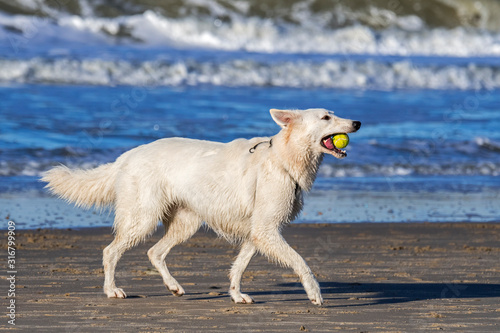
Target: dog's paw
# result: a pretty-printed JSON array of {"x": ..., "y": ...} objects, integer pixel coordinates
[
  {"x": 313, "y": 291},
  {"x": 176, "y": 290},
  {"x": 115, "y": 293},
  {"x": 317, "y": 301},
  {"x": 242, "y": 299},
  {"x": 316, "y": 297}
]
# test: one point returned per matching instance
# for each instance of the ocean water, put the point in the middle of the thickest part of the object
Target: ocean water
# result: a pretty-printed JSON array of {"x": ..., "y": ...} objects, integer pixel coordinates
[{"x": 82, "y": 82}]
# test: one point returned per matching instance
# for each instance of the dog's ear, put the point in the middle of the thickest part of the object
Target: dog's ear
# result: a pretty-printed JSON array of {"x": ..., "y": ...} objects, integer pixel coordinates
[{"x": 284, "y": 117}]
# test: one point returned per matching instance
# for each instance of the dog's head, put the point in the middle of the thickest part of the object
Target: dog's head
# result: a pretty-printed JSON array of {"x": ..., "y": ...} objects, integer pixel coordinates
[{"x": 314, "y": 126}]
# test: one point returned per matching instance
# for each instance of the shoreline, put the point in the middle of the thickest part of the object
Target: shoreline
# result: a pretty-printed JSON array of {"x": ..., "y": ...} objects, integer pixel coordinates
[
  {"x": 296, "y": 223},
  {"x": 391, "y": 277},
  {"x": 34, "y": 212}
]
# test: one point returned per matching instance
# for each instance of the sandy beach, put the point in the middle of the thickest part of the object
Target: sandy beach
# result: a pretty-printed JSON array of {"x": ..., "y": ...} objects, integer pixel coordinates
[{"x": 374, "y": 278}]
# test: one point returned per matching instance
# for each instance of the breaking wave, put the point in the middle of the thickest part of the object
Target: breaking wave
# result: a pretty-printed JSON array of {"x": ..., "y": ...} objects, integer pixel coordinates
[
  {"x": 34, "y": 161},
  {"x": 401, "y": 170},
  {"x": 457, "y": 29},
  {"x": 35, "y": 168},
  {"x": 434, "y": 44},
  {"x": 329, "y": 73}
]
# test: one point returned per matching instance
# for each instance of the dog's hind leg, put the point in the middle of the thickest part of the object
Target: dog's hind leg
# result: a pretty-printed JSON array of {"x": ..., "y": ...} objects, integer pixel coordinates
[
  {"x": 181, "y": 227},
  {"x": 111, "y": 254},
  {"x": 240, "y": 264},
  {"x": 132, "y": 226},
  {"x": 275, "y": 247}
]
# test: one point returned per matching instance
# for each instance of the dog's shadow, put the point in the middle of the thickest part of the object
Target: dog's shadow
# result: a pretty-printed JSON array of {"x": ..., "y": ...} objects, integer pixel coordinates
[
  {"x": 380, "y": 293},
  {"x": 392, "y": 293}
]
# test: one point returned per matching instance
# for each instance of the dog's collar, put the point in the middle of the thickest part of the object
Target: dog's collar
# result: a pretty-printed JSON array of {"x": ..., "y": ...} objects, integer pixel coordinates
[{"x": 252, "y": 150}]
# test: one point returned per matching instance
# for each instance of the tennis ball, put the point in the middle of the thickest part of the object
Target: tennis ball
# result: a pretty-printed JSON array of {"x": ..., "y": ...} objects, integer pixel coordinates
[{"x": 340, "y": 140}]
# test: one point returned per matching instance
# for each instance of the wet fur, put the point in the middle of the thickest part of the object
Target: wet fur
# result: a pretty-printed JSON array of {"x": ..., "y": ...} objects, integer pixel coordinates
[{"x": 245, "y": 197}]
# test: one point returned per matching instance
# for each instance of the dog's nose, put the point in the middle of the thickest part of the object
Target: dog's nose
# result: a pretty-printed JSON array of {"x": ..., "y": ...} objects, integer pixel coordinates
[{"x": 356, "y": 125}]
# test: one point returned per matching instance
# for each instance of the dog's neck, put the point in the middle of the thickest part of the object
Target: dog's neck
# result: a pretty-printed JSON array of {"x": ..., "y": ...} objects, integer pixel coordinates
[{"x": 297, "y": 158}]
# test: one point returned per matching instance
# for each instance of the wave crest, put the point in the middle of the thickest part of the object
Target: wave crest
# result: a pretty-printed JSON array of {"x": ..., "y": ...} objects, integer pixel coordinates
[
  {"x": 306, "y": 30},
  {"x": 343, "y": 74}
]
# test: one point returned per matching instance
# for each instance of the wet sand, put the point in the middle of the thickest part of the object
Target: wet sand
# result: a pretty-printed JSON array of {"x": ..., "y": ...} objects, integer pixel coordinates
[{"x": 374, "y": 277}]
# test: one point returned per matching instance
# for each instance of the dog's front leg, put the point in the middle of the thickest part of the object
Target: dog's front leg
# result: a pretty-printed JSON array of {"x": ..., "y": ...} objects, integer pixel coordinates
[
  {"x": 239, "y": 266},
  {"x": 272, "y": 244}
]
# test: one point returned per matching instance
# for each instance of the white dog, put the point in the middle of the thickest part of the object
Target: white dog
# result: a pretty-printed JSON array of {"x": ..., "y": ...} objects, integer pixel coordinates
[{"x": 245, "y": 190}]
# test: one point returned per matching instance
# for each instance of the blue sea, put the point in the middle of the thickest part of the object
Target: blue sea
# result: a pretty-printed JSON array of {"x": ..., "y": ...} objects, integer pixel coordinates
[{"x": 83, "y": 82}]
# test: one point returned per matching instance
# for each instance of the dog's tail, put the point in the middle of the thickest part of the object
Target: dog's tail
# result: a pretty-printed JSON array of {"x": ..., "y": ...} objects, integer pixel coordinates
[{"x": 85, "y": 188}]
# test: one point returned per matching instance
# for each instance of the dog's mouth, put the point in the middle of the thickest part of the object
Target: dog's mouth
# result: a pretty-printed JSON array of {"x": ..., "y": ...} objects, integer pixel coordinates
[{"x": 327, "y": 143}]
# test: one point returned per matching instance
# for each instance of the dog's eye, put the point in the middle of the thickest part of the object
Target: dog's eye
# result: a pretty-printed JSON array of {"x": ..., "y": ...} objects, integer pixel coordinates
[{"x": 326, "y": 117}]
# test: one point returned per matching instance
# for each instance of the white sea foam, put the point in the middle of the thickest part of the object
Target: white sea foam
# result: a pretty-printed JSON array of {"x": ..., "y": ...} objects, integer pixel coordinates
[
  {"x": 35, "y": 168},
  {"x": 343, "y": 74},
  {"x": 407, "y": 37},
  {"x": 399, "y": 170},
  {"x": 258, "y": 35}
]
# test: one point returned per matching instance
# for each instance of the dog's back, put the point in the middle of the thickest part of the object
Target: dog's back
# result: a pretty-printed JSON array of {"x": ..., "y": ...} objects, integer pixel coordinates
[{"x": 217, "y": 181}]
